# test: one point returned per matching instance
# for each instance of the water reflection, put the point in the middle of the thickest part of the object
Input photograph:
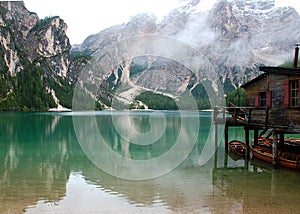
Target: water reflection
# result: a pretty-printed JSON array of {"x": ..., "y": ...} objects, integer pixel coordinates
[
  {"x": 34, "y": 160},
  {"x": 88, "y": 197},
  {"x": 115, "y": 150},
  {"x": 43, "y": 169}
]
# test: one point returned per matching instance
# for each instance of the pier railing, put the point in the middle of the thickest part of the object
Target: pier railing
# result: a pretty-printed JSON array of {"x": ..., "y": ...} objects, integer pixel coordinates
[{"x": 234, "y": 115}]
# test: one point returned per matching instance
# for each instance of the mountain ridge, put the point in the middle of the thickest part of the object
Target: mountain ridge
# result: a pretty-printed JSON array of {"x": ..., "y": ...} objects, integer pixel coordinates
[
  {"x": 234, "y": 38},
  {"x": 223, "y": 33},
  {"x": 36, "y": 65},
  {"x": 39, "y": 69}
]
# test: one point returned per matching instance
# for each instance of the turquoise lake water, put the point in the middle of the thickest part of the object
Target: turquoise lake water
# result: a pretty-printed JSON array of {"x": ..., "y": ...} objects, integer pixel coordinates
[{"x": 133, "y": 162}]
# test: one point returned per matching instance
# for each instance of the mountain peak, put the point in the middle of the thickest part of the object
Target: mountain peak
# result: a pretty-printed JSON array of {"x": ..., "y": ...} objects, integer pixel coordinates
[
  {"x": 37, "y": 53},
  {"x": 261, "y": 5},
  {"x": 234, "y": 34}
]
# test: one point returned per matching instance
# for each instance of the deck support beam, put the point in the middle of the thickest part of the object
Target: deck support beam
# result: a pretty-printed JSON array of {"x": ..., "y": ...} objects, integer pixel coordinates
[
  {"x": 247, "y": 134},
  {"x": 275, "y": 148},
  {"x": 255, "y": 137},
  {"x": 216, "y": 135},
  {"x": 226, "y": 137},
  {"x": 281, "y": 140}
]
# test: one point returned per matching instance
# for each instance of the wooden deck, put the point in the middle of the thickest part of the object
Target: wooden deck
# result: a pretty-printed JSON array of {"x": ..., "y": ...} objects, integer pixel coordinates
[
  {"x": 250, "y": 118},
  {"x": 255, "y": 119}
]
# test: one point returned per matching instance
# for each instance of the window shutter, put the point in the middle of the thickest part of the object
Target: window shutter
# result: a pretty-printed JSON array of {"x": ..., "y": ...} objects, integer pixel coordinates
[
  {"x": 256, "y": 103},
  {"x": 286, "y": 94},
  {"x": 269, "y": 99}
]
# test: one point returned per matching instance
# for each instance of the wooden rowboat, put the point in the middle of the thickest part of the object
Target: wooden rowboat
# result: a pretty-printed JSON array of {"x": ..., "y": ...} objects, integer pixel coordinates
[
  {"x": 265, "y": 141},
  {"x": 262, "y": 153},
  {"x": 285, "y": 159},
  {"x": 238, "y": 147}
]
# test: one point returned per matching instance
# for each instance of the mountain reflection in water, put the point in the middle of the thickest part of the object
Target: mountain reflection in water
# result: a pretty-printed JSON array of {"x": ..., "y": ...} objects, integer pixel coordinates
[{"x": 43, "y": 169}]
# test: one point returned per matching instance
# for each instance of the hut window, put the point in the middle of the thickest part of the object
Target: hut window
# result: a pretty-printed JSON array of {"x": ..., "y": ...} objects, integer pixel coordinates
[
  {"x": 294, "y": 92},
  {"x": 263, "y": 99},
  {"x": 291, "y": 93}
]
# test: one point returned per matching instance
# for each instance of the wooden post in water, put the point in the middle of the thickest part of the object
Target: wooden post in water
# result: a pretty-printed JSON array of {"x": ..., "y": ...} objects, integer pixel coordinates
[
  {"x": 216, "y": 135},
  {"x": 275, "y": 148},
  {"x": 281, "y": 140},
  {"x": 225, "y": 161},
  {"x": 247, "y": 141},
  {"x": 226, "y": 138},
  {"x": 255, "y": 137},
  {"x": 216, "y": 125},
  {"x": 215, "y": 160}
]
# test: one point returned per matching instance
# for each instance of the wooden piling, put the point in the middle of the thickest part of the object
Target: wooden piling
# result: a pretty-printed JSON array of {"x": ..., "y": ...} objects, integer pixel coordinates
[
  {"x": 226, "y": 138},
  {"x": 255, "y": 137},
  {"x": 215, "y": 117},
  {"x": 247, "y": 141},
  {"x": 216, "y": 135},
  {"x": 281, "y": 140},
  {"x": 275, "y": 148}
]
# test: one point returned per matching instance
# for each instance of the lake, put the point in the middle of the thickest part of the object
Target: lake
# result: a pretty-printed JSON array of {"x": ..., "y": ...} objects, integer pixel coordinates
[{"x": 133, "y": 162}]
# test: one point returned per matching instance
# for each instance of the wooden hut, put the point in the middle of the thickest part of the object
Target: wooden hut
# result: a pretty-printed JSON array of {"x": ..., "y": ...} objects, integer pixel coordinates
[
  {"x": 275, "y": 98},
  {"x": 272, "y": 106}
]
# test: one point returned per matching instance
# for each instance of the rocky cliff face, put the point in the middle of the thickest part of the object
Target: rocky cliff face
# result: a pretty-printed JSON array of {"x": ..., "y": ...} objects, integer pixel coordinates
[
  {"x": 234, "y": 37},
  {"x": 31, "y": 46},
  {"x": 13, "y": 37},
  {"x": 47, "y": 40},
  {"x": 170, "y": 56},
  {"x": 24, "y": 33}
]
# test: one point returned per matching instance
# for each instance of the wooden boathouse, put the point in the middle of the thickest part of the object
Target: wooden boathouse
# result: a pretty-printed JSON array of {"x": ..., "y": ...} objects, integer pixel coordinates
[{"x": 272, "y": 106}]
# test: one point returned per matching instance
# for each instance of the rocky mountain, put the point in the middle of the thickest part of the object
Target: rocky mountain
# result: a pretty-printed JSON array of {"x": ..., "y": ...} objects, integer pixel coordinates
[
  {"x": 230, "y": 40},
  {"x": 189, "y": 51},
  {"x": 36, "y": 65}
]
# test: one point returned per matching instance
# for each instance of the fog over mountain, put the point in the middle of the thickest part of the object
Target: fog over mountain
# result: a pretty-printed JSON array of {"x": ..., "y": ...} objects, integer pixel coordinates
[
  {"x": 231, "y": 40},
  {"x": 186, "y": 50}
]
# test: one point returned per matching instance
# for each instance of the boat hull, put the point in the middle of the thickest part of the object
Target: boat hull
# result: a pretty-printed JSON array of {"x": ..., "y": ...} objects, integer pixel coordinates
[
  {"x": 238, "y": 147},
  {"x": 262, "y": 153},
  {"x": 288, "y": 160}
]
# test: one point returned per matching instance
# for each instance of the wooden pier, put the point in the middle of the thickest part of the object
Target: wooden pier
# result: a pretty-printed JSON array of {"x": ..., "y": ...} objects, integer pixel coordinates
[
  {"x": 252, "y": 119},
  {"x": 272, "y": 106}
]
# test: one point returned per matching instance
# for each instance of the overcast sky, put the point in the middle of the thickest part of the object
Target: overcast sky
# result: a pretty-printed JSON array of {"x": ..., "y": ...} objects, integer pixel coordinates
[{"x": 86, "y": 17}]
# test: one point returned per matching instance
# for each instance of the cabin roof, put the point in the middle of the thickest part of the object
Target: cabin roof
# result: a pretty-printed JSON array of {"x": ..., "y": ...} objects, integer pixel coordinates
[
  {"x": 273, "y": 70},
  {"x": 281, "y": 70},
  {"x": 253, "y": 80}
]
